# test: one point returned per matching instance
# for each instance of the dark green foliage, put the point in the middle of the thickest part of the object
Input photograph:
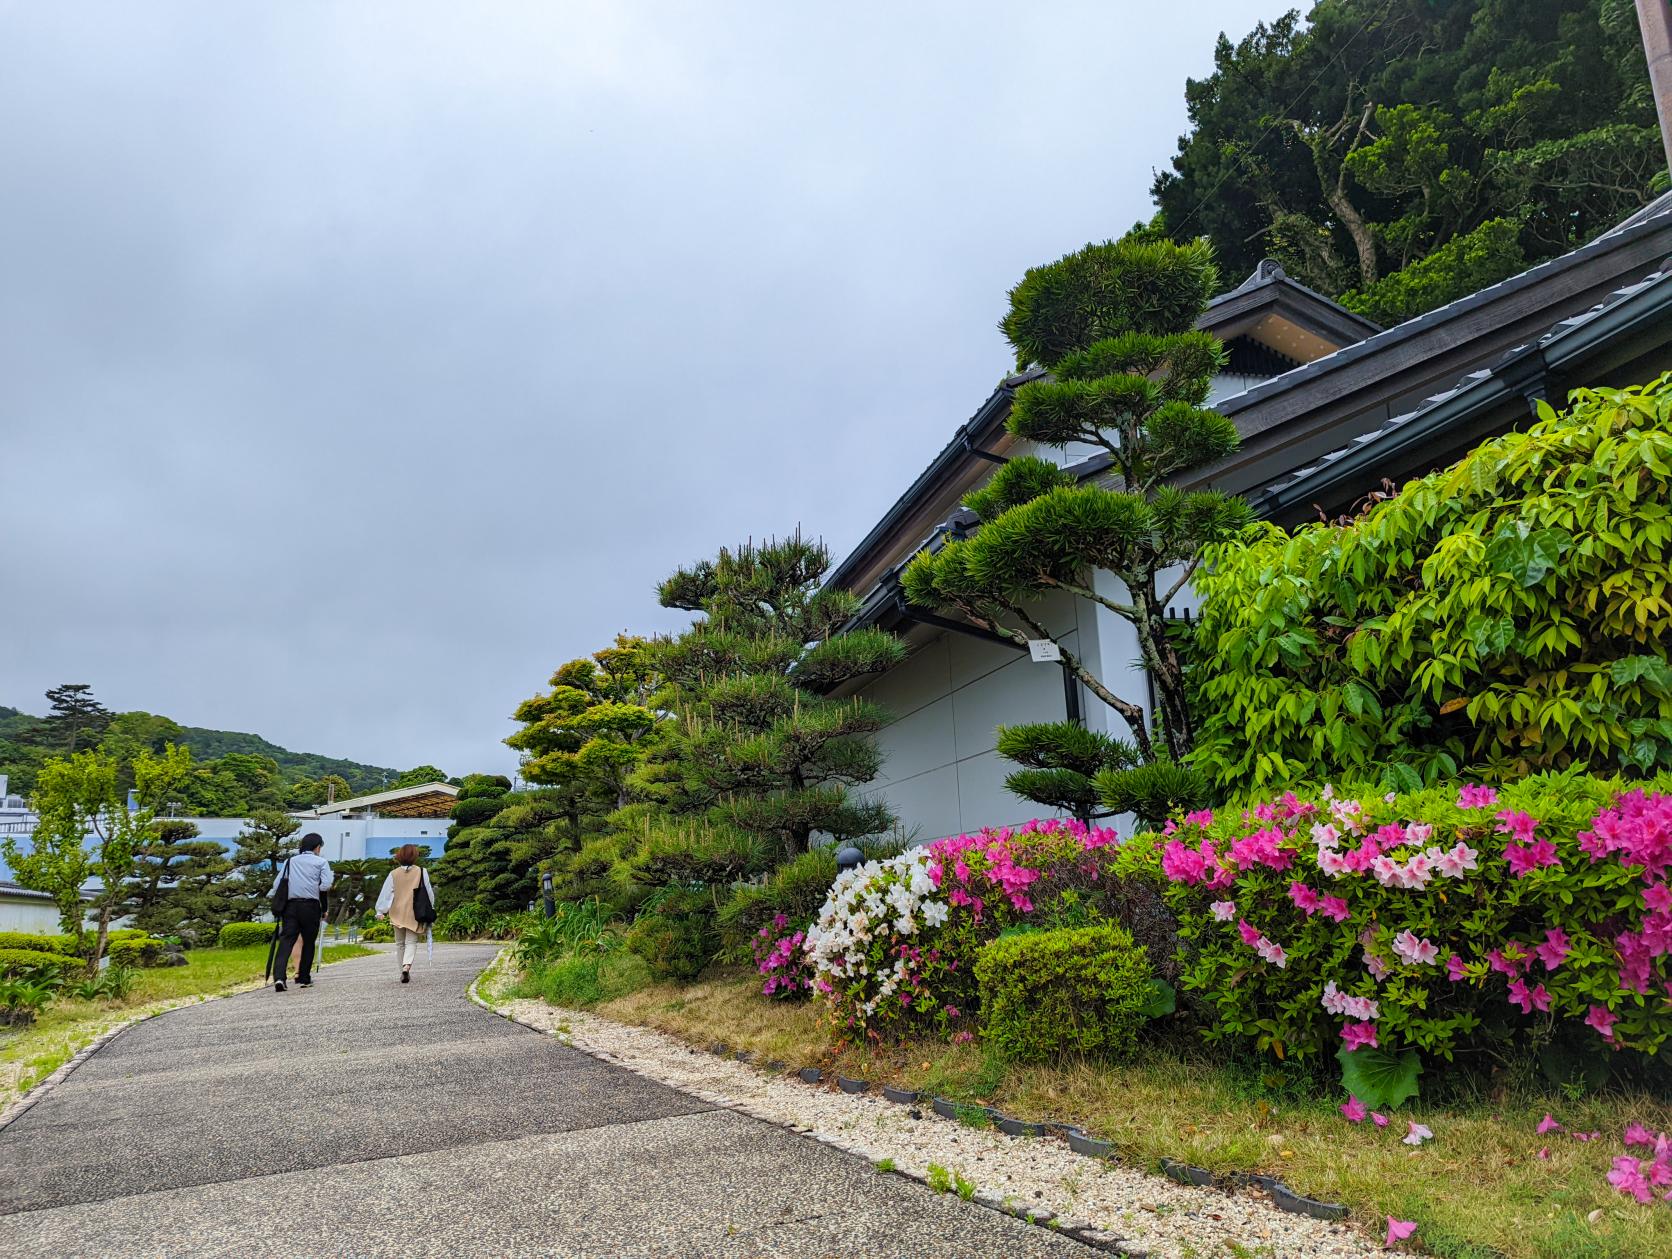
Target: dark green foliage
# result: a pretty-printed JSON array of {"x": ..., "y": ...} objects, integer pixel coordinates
[
  {"x": 476, "y": 810},
  {"x": 1060, "y": 760},
  {"x": 1153, "y": 792},
  {"x": 179, "y": 885},
  {"x": 1083, "y": 990},
  {"x": 1103, "y": 291},
  {"x": 676, "y": 937},
  {"x": 696, "y": 851},
  {"x": 1018, "y": 481},
  {"x": 795, "y": 889},
  {"x": 496, "y": 862},
  {"x": 758, "y": 749},
  {"x": 472, "y": 786},
  {"x": 1370, "y": 138},
  {"x": 240, "y": 935}
]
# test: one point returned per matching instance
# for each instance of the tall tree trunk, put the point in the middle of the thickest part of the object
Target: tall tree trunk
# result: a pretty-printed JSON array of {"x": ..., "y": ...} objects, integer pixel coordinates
[{"x": 1165, "y": 667}]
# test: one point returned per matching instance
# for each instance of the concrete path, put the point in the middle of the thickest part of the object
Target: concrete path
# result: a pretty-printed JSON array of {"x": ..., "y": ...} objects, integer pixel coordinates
[{"x": 364, "y": 1117}]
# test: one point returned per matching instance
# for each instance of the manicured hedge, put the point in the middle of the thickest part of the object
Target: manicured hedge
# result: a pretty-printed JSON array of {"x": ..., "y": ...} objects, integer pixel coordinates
[
  {"x": 240, "y": 935},
  {"x": 147, "y": 951},
  {"x": 1083, "y": 990},
  {"x": 39, "y": 943},
  {"x": 13, "y": 960}
]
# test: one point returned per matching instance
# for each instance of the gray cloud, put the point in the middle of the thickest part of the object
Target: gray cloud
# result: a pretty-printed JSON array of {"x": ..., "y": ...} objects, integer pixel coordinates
[{"x": 361, "y": 363}]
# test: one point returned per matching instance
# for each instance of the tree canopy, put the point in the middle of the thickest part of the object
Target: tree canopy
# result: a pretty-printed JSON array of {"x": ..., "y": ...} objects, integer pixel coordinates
[{"x": 1399, "y": 154}]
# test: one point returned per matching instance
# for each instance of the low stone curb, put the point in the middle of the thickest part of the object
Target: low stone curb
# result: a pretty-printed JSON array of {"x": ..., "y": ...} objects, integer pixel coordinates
[{"x": 1076, "y": 1229}]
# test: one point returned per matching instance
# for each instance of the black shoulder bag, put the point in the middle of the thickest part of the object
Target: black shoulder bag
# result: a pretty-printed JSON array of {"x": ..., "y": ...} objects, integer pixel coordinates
[
  {"x": 423, "y": 909},
  {"x": 281, "y": 894}
]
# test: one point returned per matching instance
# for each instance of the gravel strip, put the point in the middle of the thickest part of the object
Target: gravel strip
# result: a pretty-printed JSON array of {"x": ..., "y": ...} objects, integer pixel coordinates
[{"x": 1151, "y": 1214}]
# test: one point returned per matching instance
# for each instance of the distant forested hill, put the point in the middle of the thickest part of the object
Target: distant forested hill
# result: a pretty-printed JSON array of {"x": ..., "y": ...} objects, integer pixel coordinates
[{"x": 209, "y": 745}]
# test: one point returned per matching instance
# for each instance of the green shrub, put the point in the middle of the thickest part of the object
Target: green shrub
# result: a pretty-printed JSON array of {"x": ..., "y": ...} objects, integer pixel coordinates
[
  {"x": 1508, "y": 614},
  {"x": 378, "y": 933},
  {"x": 13, "y": 961},
  {"x": 39, "y": 943},
  {"x": 146, "y": 951},
  {"x": 677, "y": 937},
  {"x": 588, "y": 979},
  {"x": 795, "y": 890},
  {"x": 241, "y": 935},
  {"x": 1077, "y": 990}
]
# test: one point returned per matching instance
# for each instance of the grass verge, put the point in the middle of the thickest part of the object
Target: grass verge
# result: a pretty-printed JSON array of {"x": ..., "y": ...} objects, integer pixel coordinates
[
  {"x": 28, "y": 1055},
  {"x": 1479, "y": 1190}
]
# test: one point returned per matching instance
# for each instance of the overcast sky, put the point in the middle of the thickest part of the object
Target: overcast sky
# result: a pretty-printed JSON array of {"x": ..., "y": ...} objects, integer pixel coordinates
[{"x": 360, "y": 363}]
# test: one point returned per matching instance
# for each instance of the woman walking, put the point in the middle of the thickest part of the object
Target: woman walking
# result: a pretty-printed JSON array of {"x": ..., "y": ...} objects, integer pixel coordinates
[{"x": 408, "y": 912}]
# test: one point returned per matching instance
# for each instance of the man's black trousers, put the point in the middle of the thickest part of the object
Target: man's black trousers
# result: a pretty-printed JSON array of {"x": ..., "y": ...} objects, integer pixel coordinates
[{"x": 301, "y": 918}]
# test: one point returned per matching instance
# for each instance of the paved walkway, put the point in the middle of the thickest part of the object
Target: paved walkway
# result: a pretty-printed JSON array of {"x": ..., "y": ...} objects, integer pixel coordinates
[{"x": 366, "y": 1118}]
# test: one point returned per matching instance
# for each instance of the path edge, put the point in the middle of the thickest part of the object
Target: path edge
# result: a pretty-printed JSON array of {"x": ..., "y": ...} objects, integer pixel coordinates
[
  {"x": 1092, "y": 1238},
  {"x": 36, "y": 1091}
]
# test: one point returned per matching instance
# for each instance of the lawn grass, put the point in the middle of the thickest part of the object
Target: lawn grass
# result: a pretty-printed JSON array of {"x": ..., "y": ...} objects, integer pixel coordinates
[
  {"x": 1478, "y": 1190},
  {"x": 30, "y": 1054}
]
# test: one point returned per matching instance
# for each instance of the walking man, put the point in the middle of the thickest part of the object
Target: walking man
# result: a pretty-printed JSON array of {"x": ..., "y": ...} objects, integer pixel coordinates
[{"x": 309, "y": 876}]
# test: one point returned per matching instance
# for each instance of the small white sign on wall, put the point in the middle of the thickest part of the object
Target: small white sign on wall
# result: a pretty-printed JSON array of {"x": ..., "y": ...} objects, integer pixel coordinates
[{"x": 1043, "y": 650}]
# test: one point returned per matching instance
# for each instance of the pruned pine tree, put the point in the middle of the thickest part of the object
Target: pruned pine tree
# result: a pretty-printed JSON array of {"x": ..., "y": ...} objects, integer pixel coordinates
[
  {"x": 590, "y": 731},
  {"x": 1114, "y": 326},
  {"x": 761, "y": 757}
]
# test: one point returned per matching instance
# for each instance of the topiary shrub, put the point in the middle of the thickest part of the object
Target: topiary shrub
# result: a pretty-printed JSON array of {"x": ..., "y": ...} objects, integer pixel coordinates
[
  {"x": 1077, "y": 990},
  {"x": 676, "y": 937},
  {"x": 147, "y": 951},
  {"x": 1508, "y": 614},
  {"x": 13, "y": 961},
  {"x": 476, "y": 810},
  {"x": 39, "y": 943},
  {"x": 241, "y": 935}
]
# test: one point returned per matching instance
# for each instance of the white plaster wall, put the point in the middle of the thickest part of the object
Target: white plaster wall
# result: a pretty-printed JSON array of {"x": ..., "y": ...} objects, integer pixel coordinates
[
  {"x": 940, "y": 773},
  {"x": 30, "y": 915}
]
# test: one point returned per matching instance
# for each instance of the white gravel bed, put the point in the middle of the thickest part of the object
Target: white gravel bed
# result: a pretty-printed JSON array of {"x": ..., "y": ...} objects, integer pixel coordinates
[{"x": 1042, "y": 1175}]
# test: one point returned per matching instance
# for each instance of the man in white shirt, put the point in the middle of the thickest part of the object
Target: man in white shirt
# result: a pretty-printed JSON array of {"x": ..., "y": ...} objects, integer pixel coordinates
[{"x": 310, "y": 876}]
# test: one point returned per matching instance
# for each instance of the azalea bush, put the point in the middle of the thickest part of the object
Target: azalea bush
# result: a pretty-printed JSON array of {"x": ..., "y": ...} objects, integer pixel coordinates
[
  {"x": 781, "y": 959},
  {"x": 894, "y": 945},
  {"x": 1446, "y": 921}
]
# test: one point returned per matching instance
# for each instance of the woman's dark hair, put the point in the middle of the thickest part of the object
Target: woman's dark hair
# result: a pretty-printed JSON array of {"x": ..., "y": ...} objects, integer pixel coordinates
[
  {"x": 310, "y": 842},
  {"x": 407, "y": 854}
]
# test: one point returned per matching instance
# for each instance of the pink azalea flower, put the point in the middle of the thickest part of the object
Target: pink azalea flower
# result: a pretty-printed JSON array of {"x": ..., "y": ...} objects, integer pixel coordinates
[
  {"x": 1334, "y": 908},
  {"x": 1379, "y": 1119},
  {"x": 1420, "y": 831},
  {"x": 1416, "y": 1133},
  {"x": 1515, "y": 822},
  {"x": 1628, "y": 1178},
  {"x": 1475, "y": 797},
  {"x": 1353, "y": 1110},
  {"x": 1376, "y": 966},
  {"x": 1548, "y": 1124},
  {"x": 1272, "y": 952},
  {"x": 1250, "y": 934},
  {"x": 1305, "y": 899},
  {"x": 1544, "y": 1152},
  {"x": 1553, "y": 952},
  {"x": 1360, "y": 1036},
  {"x": 1333, "y": 863},
  {"x": 1523, "y": 859},
  {"x": 1416, "y": 952},
  {"x": 1224, "y": 910},
  {"x": 1658, "y": 896},
  {"x": 1586, "y": 1136},
  {"x": 1325, "y": 835},
  {"x": 1454, "y": 968},
  {"x": 1458, "y": 861},
  {"x": 1398, "y": 1231},
  {"x": 1602, "y": 1019},
  {"x": 1637, "y": 1134},
  {"x": 1519, "y": 996}
]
